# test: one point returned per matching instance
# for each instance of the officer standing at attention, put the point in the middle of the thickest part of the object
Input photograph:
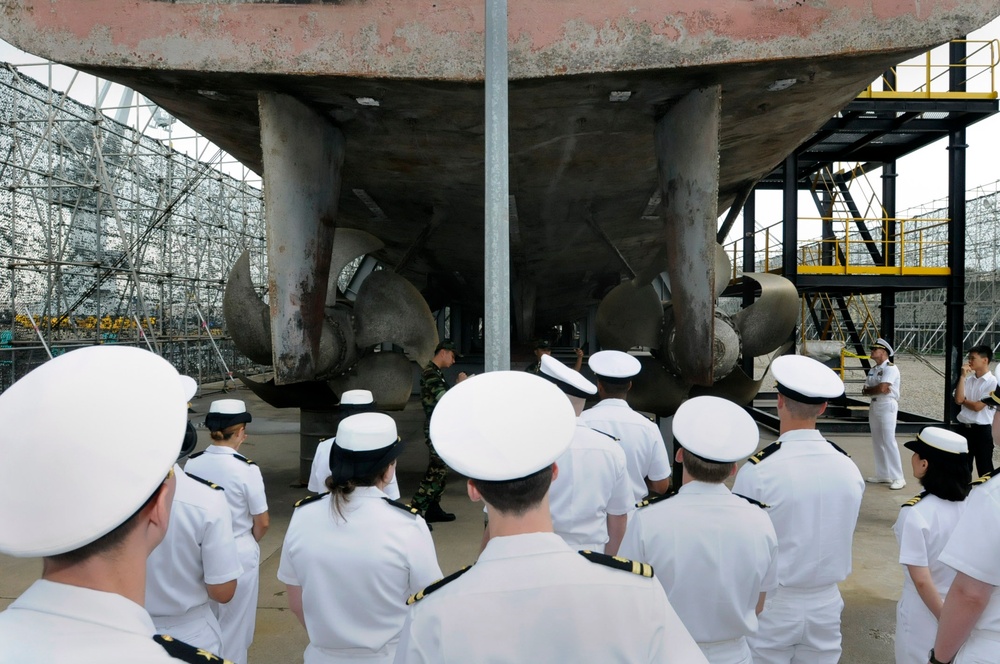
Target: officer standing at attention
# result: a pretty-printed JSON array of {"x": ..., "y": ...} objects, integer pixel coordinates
[
  {"x": 814, "y": 491},
  {"x": 197, "y": 560},
  {"x": 432, "y": 387},
  {"x": 969, "y": 629},
  {"x": 352, "y": 402},
  {"x": 591, "y": 498},
  {"x": 352, "y": 556},
  {"x": 222, "y": 464},
  {"x": 530, "y": 597},
  {"x": 111, "y": 463},
  {"x": 882, "y": 385},
  {"x": 976, "y": 419},
  {"x": 645, "y": 452},
  {"x": 715, "y": 553}
]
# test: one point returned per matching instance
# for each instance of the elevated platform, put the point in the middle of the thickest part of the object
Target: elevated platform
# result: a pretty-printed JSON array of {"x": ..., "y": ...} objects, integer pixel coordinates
[{"x": 846, "y": 415}]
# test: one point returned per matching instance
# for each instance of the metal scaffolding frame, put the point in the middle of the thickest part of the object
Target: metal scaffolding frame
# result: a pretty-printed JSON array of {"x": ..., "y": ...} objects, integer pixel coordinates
[{"x": 110, "y": 235}]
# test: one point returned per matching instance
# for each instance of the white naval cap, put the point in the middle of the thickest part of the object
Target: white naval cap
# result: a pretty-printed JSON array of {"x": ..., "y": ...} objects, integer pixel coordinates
[
  {"x": 614, "y": 365},
  {"x": 715, "y": 429},
  {"x": 365, "y": 443},
  {"x": 806, "y": 380},
  {"x": 568, "y": 380},
  {"x": 992, "y": 399},
  {"x": 932, "y": 439},
  {"x": 88, "y": 437},
  {"x": 356, "y": 398},
  {"x": 502, "y": 425},
  {"x": 224, "y": 413},
  {"x": 190, "y": 387},
  {"x": 884, "y": 345}
]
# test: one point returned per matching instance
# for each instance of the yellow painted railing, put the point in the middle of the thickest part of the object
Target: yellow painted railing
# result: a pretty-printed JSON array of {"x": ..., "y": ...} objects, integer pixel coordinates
[
  {"x": 930, "y": 79},
  {"x": 921, "y": 245}
]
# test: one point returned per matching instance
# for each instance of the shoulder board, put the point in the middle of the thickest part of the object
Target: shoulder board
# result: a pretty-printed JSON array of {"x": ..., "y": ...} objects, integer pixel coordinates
[
  {"x": 196, "y": 455},
  {"x": 766, "y": 452},
  {"x": 916, "y": 499},
  {"x": 839, "y": 449},
  {"x": 891, "y": 364},
  {"x": 402, "y": 506},
  {"x": 187, "y": 653},
  {"x": 212, "y": 485},
  {"x": 750, "y": 500},
  {"x": 982, "y": 479},
  {"x": 655, "y": 499},
  {"x": 624, "y": 564},
  {"x": 605, "y": 433},
  {"x": 244, "y": 459},
  {"x": 651, "y": 418},
  {"x": 440, "y": 583},
  {"x": 310, "y": 499}
]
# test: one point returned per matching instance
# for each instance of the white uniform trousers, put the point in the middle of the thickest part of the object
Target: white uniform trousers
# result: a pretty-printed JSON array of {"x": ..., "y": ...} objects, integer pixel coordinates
[
  {"x": 238, "y": 616},
  {"x": 800, "y": 625},
  {"x": 982, "y": 647},
  {"x": 317, "y": 655},
  {"x": 882, "y": 420},
  {"x": 198, "y": 627},
  {"x": 732, "y": 651},
  {"x": 916, "y": 628}
]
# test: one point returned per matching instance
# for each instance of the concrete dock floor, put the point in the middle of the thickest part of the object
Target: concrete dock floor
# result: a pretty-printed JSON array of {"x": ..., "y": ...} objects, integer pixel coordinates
[{"x": 870, "y": 593}]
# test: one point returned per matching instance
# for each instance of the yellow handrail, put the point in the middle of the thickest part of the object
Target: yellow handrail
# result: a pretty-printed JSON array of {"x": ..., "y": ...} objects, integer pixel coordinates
[{"x": 979, "y": 65}]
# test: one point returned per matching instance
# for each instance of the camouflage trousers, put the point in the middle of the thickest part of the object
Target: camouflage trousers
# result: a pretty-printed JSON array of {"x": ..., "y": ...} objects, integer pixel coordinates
[{"x": 432, "y": 485}]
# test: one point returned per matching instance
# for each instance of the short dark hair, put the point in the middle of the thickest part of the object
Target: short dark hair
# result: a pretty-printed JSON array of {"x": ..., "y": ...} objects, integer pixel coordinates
[
  {"x": 803, "y": 411},
  {"x": 703, "y": 470},
  {"x": 516, "y": 497},
  {"x": 109, "y": 541},
  {"x": 948, "y": 475},
  {"x": 983, "y": 350},
  {"x": 614, "y": 389}
]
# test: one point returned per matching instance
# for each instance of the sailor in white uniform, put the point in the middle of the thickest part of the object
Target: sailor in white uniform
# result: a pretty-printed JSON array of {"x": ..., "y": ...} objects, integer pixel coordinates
[
  {"x": 352, "y": 402},
  {"x": 222, "y": 464},
  {"x": 108, "y": 464},
  {"x": 814, "y": 491},
  {"x": 882, "y": 385},
  {"x": 645, "y": 452},
  {"x": 351, "y": 557},
  {"x": 969, "y": 628},
  {"x": 530, "y": 597},
  {"x": 196, "y": 561},
  {"x": 715, "y": 553},
  {"x": 940, "y": 463},
  {"x": 591, "y": 499}
]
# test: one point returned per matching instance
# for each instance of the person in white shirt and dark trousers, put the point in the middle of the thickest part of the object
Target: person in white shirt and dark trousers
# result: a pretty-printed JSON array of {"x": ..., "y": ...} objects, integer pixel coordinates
[{"x": 975, "y": 420}]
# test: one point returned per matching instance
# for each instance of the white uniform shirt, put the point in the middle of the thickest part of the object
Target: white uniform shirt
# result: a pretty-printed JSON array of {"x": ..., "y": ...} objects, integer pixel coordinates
[
  {"x": 645, "y": 451},
  {"x": 884, "y": 373},
  {"x": 321, "y": 470},
  {"x": 975, "y": 390},
  {"x": 57, "y": 623},
  {"x": 531, "y": 598},
  {"x": 974, "y": 544},
  {"x": 356, "y": 574},
  {"x": 922, "y": 530},
  {"x": 592, "y": 483},
  {"x": 713, "y": 552},
  {"x": 814, "y": 493},
  {"x": 244, "y": 489},
  {"x": 198, "y": 548}
]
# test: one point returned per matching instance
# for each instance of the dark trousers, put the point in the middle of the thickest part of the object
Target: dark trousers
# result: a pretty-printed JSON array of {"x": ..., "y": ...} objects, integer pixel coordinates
[{"x": 980, "y": 437}]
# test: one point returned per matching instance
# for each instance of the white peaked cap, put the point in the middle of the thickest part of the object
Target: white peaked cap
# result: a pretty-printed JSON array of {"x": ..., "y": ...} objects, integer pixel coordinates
[
  {"x": 614, "y": 364},
  {"x": 806, "y": 380},
  {"x": 87, "y": 438},
  {"x": 190, "y": 387},
  {"x": 502, "y": 425},
  {"x": 715, "y": 429},
  {"x": 366, "y": 431},
  {"x": 356, "y": 398},
  {"x": 940, "y": 439},
  {"x": 568, "y": 380},
  {"x": 884, "y": 345}
]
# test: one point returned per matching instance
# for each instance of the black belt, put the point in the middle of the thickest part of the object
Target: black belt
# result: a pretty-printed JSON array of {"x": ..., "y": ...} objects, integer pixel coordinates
[{"x": 969, "y": 426}]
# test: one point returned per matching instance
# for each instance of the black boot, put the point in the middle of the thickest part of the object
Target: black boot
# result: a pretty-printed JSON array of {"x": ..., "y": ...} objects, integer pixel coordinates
[{"x": 435, "y": 514}]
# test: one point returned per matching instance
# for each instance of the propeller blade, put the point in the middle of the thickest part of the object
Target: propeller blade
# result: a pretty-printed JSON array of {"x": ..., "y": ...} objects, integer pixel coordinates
[
  {"x": 390, "y": 310},
  {"x": 737, "y": 386},
  {"x": 723, "y": 270},
  {"x": 311, "y": 395},
  {"x": 766, "y": 324},
  {"x": 388, "y": 375},
  {"x": 248, "y": 318},
  {"x": 337, "y": 349},
  {"x": 628, "y": 317},
  {"x": 655, "y": 389},
  {"x": 348, "y": 244}
]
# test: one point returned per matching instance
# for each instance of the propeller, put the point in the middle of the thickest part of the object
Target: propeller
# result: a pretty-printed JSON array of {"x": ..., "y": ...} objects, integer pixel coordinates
[{"x": 390, "y": 309}]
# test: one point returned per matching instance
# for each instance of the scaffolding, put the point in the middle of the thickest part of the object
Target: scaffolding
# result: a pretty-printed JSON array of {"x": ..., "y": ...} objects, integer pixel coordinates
[{"x": 111, "y": 235}]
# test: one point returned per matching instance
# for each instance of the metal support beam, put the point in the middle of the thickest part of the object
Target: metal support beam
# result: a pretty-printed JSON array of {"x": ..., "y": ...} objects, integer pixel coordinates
[
  {"x": 303, "y": 155},
  {"x": 888, "y": 325},
  {"x": 790, "y": 219},
  {"x": 749, "y": 263},
  {"x": 497, "y": 297}
]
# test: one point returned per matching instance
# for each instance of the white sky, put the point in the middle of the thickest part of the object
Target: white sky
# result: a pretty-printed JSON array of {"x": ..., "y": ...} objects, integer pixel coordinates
[{"x": 923, "y": 175}]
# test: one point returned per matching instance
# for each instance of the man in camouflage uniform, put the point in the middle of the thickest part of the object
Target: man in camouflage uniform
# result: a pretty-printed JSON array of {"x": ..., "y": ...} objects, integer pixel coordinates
[{"x": 432, "y": 388}]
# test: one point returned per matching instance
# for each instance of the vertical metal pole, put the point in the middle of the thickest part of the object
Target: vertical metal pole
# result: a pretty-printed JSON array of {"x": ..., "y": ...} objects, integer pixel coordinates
[
  {"x": 891, "y": 247},
  {"x": 955, "y": 302},
  {"x": 749, "y": 261},
  {"x": 790, "y": 220},
  {"x": 497, "y": 310}
]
